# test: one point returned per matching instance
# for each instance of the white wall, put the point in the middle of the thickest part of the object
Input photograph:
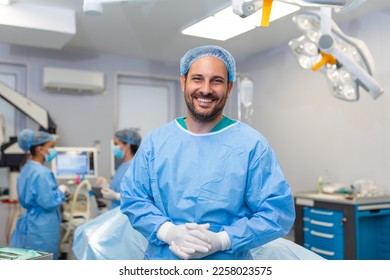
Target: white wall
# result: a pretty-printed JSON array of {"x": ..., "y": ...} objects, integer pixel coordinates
[{"x": 312, "y": 131}]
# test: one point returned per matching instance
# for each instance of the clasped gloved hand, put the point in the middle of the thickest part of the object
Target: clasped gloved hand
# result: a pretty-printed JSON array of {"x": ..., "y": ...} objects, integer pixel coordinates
[
  {"x": 219, "y": 241},
  {"x": 187, "y": 236}
]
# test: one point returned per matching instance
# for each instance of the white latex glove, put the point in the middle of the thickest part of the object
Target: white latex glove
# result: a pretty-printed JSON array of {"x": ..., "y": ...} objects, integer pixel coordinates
[
  {"x": 102, "y": 183},
  {"x": 219, "y": 241},
  {"x": 190, "y": 238},
  {"x": 64, "y": 189},
  {"x": 110, "y": 194}
]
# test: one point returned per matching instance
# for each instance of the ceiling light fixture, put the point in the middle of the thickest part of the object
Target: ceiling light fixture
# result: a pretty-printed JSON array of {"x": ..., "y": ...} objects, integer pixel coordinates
[
  {"x": 225, "y": 24},
  {"x": 345, "y": 61},
  {"x": 36, "y": 25}
]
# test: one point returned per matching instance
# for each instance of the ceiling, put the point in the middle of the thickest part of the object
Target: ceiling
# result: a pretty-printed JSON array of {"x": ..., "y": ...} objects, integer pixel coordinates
[{"x": 150, "y": 29}]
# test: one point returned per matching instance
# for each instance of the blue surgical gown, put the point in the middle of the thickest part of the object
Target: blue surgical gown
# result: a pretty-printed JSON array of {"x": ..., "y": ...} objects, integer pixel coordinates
[
  {"x": 116, "y": 181},
  {"x": 39, "y": 227},
  {"x": 230, "y": 178}
]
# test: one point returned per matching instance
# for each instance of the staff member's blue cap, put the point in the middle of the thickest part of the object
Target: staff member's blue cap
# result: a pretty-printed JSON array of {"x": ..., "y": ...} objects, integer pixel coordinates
[
  {"x": 28, "y": 138},
  {"x": 129, "y": 135}
]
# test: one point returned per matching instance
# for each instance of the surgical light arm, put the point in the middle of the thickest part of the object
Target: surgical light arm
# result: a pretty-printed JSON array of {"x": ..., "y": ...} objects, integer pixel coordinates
[
  {"x": 244, "y": 8},
  {"x": 318, "y": 3},
  {"x": 328, "y": 45},
  {"x": 29, "y": 108},
  {"x": 345, "y": 61}
]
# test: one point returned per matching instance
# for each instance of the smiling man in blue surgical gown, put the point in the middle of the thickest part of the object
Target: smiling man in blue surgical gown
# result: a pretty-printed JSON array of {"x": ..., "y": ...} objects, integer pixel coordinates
[{"x": 206, "y": 186}]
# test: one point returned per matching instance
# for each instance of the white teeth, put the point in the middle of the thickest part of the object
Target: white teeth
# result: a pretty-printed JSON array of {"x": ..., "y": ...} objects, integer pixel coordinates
[{"x": 204, "y": 100}]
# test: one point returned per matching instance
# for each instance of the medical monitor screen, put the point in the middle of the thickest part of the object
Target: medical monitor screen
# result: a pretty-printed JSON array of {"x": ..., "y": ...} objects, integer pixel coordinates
[{"x": 71, "y": 163}]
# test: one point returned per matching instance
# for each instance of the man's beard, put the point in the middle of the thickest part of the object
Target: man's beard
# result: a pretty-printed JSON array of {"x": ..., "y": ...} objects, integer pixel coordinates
[{"x": 203, "y": 117}]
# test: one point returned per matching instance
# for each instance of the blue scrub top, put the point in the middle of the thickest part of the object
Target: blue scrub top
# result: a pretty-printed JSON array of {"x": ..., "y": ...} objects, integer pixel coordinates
[
  {"x": 229, "y": 178},
  {"x": 116, "y": 181},
  {"x": 39, "y": 227}
]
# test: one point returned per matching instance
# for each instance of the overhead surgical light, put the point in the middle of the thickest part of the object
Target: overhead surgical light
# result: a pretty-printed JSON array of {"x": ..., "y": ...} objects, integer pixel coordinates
[{"x": 345, "y": 61}]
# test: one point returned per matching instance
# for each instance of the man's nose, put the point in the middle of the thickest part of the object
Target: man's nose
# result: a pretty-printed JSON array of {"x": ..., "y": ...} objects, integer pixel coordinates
[{"x": 206, "y": 87}]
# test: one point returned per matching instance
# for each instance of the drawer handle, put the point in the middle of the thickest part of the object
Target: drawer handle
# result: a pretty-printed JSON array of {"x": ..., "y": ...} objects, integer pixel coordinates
[
  {"x": 325, "y": 213},
  {"x": 324, "y": 224},
  {"x": 328, "y": 253},
  {"x": 320, "y": 234}
]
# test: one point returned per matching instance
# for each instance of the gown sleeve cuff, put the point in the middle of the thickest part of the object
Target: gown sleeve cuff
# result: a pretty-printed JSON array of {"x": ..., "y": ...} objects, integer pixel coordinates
[
  {"x": 162, "y": 231},
  {"x": 225, "y": 240}
]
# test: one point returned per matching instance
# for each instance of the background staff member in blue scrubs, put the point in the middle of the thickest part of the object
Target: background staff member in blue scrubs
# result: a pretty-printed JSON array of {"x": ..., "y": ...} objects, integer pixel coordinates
[
  {"x": 39, "y": 194},
  {"x": 206, "y": 186},
  {"x": 126, "y": 143}
]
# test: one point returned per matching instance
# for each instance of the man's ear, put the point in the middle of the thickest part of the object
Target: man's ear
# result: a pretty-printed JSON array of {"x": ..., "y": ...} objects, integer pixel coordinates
[
  {"x": 230, "y": 86},
  {"x": 182, "y": 82}
]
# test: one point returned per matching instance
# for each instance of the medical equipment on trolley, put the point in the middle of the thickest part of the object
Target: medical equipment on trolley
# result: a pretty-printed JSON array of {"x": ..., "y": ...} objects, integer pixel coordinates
[
  {"x": 81, "y": 208},
  {"x": 76, "y": 167},
  {"x": 73, "y": 162},
  {"x": 76, "y": 164}
]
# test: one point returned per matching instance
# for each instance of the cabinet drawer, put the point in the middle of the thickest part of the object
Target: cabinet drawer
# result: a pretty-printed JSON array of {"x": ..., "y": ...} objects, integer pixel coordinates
[
  {"x": 321, "y": 226},
  {"x": 327, "y": 241},
  {"x": 323, "y": 215},
  {"x": 325, "y": 253}
]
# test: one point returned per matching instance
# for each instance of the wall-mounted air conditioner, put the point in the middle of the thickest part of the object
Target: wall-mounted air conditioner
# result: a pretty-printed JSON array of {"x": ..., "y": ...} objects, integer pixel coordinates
[{"x": 72, "y": 81}]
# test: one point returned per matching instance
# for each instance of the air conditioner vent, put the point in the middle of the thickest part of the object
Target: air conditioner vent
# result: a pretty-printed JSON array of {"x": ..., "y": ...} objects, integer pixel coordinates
[{"x": 73, "y": 81}]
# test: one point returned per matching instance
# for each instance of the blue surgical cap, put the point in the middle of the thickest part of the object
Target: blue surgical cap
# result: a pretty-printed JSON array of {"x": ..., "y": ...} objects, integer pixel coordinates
[
  {"x": 129, "y": 135},
  {"x": 28, "y": 138},
  {"x": 214, "y": 51}
]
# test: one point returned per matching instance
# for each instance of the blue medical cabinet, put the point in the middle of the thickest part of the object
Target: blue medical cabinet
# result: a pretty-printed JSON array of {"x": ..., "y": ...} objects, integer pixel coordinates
[{"x": 338, "y": 228}]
